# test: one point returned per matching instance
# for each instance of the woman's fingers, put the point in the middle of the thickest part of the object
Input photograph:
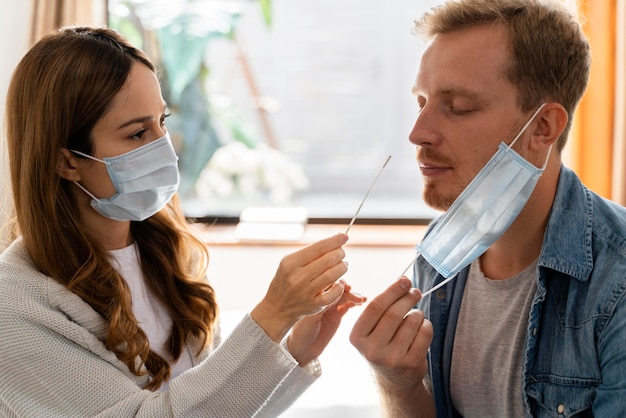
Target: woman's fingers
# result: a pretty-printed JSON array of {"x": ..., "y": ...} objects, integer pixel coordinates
[
  {"x": 326, "y": 252},
  {"x": 313, "y": 251},
  {"x": 330, "y": 295},
  {"x": 306, "y": 281},
  {"x": 319, "y": 265}
]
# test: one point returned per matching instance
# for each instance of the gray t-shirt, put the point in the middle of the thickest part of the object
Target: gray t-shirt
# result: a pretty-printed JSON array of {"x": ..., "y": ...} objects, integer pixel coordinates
[{"x": 488, "y": 351}]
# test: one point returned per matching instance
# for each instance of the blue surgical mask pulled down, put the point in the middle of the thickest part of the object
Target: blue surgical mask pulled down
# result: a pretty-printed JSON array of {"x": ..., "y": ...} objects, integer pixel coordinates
[
  {"x": 145, "y": 179},
  {"x": 482, "y": 212}
]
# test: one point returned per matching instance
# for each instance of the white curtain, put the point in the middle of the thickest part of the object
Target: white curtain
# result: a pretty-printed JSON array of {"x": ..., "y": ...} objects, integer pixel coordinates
[{"x": 49, "y": 15}]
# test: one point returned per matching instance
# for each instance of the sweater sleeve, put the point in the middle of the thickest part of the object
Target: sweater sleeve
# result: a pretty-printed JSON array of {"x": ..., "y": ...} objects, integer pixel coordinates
[
  {"x": 292, "y": 387},
  {"x": 238, "y": 378},
  {"x": 53, "y": 362}
]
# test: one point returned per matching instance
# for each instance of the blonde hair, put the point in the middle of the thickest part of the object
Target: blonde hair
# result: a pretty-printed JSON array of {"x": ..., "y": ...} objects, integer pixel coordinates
[
  {"x": 550, "y": 53},
  {"x": 58, "y": 92}
]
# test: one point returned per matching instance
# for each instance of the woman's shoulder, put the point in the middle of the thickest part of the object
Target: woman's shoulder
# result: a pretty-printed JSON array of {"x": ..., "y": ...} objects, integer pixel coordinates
[
  {"x": 18, "y": 271},
  {"x": 26, "y": 294}
]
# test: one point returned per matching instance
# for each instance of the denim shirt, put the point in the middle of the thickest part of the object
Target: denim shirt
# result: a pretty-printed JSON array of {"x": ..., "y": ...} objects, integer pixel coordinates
[{"x": 575, "y": 349}]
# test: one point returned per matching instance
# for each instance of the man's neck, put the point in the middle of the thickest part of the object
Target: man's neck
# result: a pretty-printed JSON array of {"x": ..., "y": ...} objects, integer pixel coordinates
[{"x": 521, "y": 243}]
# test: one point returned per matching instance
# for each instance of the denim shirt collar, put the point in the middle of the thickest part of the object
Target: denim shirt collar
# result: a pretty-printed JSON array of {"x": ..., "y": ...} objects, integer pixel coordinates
[{"x": 567, "y": 242}]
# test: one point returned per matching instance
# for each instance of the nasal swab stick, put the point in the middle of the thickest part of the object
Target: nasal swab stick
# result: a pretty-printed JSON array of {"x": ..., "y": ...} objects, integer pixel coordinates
[
  {"x": 366, "y": 194},
  {"x": 438, "y": 286},
  {"x": 428, "y": 292},
  {"x": 410, "y": 264}
]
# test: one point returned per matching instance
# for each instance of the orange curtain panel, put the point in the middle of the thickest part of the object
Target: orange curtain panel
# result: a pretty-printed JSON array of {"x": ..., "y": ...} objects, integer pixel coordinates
[
  {"x": 591, "y": 143},
  {"x": 619, "y": 141}
]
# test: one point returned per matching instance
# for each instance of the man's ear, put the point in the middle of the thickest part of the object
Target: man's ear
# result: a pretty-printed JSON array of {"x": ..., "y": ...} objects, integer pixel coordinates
[
  {"x": 66, "y": 165},
  {"x": 551, "y": 122}
]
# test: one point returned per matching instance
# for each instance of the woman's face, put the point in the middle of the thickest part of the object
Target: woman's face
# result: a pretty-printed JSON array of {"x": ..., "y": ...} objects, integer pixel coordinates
[{"x": 135, "y": 117}]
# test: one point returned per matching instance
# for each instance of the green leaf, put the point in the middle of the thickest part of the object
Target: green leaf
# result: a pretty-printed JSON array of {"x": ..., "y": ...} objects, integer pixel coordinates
[{"x": 266, "y": 9}]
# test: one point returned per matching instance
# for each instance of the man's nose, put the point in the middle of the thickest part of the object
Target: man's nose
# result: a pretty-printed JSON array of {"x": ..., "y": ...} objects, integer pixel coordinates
[{"x": 424, "y": 132}]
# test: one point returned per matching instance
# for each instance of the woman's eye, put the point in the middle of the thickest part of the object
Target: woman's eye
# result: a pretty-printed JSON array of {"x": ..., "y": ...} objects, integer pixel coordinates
[
  {"x": 139, "y": 135},
  {"x": 165, "y": 116}
]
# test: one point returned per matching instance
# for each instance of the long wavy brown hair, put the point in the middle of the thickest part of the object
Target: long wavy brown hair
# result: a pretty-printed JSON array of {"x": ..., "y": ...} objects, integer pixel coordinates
[{"x": 58, "y": 92}]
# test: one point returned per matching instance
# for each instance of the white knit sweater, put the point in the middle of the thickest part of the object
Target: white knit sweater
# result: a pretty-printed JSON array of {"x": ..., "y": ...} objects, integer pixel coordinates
[{"x": 53, "y": 362}]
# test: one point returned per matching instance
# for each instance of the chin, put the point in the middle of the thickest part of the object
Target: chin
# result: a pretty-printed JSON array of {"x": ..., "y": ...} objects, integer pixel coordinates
[{"x": 437, "y": 201}]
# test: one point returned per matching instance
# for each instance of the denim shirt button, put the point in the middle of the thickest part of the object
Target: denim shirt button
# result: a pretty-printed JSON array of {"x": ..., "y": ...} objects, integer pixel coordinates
[
  {"x": 560, "y": 409},
  {"x": 535, "y": 334},
  {"x": 440, "y": 294}
]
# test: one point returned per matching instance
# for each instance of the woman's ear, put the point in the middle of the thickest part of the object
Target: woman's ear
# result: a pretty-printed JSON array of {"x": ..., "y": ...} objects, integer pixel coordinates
[
  {"x": 551, "y": 122},
  {"x": 66, "y": 165}
]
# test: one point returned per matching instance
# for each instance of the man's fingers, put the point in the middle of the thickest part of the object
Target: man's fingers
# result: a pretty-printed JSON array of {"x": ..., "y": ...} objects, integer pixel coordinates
[
  {"x": 407, "y": 332},
  {"x": 389, "y": 308},
  {"x": 421, "y": 344}
]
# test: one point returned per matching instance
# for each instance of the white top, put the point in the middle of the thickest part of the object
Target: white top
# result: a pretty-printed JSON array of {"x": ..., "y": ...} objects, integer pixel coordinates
[{"x": 152, "y": 316}]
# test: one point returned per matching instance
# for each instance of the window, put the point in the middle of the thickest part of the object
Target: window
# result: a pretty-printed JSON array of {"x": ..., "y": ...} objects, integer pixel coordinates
[{"x": 297, "y": 105}]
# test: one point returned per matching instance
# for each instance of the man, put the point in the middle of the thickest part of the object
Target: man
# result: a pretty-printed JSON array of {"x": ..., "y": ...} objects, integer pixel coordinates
[{"x": 536, "y": 324}]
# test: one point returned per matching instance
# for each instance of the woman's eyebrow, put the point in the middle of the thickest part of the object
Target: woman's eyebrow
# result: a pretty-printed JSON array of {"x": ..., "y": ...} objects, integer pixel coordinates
[
  {"x": 136, "y": 120},
  {"x": 141, "y": 119}
]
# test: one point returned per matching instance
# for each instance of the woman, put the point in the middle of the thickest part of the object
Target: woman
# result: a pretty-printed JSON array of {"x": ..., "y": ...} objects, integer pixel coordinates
[{"x": 104, "y": 304}]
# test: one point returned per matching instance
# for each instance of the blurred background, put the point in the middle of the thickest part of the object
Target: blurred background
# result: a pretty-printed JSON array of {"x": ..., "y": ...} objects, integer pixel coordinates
[{"x": 285, "y": 111}]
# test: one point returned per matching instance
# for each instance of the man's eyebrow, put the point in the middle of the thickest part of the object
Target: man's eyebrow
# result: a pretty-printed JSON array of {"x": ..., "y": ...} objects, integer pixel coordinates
[
  {"x": 458, "y": 91},
  {"x": 141, "y": 119},
  {"x": 452, "y": 91}
]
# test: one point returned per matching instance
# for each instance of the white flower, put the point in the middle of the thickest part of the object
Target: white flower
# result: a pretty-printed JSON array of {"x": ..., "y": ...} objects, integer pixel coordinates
[{"x": 235, "y": 169}]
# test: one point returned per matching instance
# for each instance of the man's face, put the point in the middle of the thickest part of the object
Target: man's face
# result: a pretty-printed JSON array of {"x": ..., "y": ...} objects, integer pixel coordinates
[{"x": 467, "y": 107}]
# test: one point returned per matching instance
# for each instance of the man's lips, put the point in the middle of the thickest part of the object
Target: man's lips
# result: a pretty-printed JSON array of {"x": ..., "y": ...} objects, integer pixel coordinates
[{"x": 433, "y": 169}]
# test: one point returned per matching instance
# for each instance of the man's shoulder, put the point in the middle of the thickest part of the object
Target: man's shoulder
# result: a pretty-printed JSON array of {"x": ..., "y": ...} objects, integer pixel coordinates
[
  {"x": 607, "y": 220},
  {"x": 583, "y": 207},
  {"x": 583, "y": 228}
]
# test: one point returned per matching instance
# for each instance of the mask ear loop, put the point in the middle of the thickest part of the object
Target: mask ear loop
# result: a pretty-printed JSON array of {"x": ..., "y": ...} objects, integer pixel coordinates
[
  {"x": 521, "y": 131},
  {"x": 87, "y": 192},
  {"x": 91, "y": 157},
  {"x": 432, "y": 289},
  {"x": 545, "y": 163}
]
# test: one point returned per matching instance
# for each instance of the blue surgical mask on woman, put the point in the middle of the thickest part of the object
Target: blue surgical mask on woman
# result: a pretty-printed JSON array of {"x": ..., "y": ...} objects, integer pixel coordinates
[
  {"x": 145, "y": 179},
  {"x": 483, "y": 211}
]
